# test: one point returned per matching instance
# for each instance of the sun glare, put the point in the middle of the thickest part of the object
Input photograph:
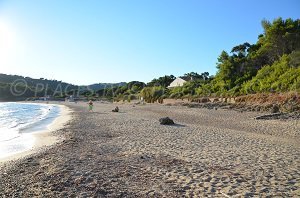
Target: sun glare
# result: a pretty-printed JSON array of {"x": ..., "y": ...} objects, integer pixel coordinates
[{"x": 7, "y": 44}]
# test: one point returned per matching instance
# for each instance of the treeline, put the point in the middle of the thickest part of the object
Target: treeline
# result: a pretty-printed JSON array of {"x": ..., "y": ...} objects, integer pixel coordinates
[
  {"x": 157, "y": 89},
  {"x": 270, "y": 65},
  {"x": 124, "y": 91}
]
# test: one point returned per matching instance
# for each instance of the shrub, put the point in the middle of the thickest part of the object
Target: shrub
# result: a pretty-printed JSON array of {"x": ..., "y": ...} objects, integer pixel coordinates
[{"x": 152, "y": 94}]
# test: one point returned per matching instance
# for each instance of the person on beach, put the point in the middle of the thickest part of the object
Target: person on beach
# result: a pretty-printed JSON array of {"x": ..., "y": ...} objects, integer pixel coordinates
[{"x": 91, "y": 105}]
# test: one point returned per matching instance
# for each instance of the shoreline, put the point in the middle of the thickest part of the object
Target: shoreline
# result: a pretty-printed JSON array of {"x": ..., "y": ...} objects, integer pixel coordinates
[{"x": 43, "y": 138}]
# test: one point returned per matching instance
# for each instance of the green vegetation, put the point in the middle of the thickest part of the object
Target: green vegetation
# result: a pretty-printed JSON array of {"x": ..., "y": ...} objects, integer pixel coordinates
[
  {"x": 281, "y": 76},
  {"x": 127, "y": 92},
  {"x": 152, "y": 94},
  {"x": 13, "y": 87},
  {"x": 270, "y": 65},
  {"x": 162, "y": 81}
]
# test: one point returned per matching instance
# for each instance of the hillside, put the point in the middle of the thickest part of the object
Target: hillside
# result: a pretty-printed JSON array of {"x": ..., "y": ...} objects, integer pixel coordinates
[
  {"x": 100, "y": 86},
  {"x": 15, "y": 87}
]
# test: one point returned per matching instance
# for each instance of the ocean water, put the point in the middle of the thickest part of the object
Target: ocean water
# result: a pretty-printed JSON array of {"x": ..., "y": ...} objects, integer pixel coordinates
[{"x": 19, "y": 121}]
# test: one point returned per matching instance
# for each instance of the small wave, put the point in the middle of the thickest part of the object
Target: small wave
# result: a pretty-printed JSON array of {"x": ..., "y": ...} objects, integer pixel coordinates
[
  {"x": 4, "y": 112},
  {"x": 14, "y": 124},
  {"x": 46, "y": 116},
  {"x": 6, "y": 140},
  {"x": 25, "y": 117},
  {"x": 7, "y": 134}
]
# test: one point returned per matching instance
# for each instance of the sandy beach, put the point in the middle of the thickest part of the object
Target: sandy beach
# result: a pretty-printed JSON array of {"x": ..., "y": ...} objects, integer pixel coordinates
[{"x": 208, "y": 153}]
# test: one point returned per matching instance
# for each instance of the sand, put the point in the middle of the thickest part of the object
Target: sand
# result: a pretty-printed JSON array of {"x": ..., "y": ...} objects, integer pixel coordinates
[{"x": 208, "y": 153}]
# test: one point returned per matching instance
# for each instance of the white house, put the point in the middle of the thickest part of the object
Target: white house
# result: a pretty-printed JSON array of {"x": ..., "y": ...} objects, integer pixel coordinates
[{"x": 178, "y": 82}]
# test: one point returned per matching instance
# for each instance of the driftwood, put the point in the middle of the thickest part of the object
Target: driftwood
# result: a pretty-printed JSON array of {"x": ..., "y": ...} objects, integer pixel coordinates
[{"x": 269, "y": 116}]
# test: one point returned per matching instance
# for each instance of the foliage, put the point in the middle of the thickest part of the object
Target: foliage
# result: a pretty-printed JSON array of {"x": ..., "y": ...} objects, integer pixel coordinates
[
  {"x": 152, "y": 94},
  {"x": 162, "y": 81},
  {"x": 32, "y": 88},
  {"x": 119, "y": 93},
  {"x": 279, "y": 77},
  {"x": 236, "y": 70},
  {"x": 194, "y": 76}
]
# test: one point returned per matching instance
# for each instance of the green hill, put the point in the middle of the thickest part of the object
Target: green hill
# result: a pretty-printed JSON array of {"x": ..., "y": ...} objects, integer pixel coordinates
[{"x": 14, "y": 87}]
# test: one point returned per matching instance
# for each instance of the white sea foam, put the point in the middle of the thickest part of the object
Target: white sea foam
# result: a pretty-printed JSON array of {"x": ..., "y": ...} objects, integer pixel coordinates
[{"x": 18, "y": 121}]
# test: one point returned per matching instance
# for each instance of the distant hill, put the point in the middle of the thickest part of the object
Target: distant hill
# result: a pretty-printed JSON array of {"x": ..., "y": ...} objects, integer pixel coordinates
[
  {"x": 32, "y": 82},
  {"x": 15, "y": 87},
  {"x": 100, "y": 86}
]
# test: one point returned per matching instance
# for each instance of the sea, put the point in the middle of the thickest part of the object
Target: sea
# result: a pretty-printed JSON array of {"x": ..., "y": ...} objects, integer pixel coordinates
[{"x": 19, "y": 122}]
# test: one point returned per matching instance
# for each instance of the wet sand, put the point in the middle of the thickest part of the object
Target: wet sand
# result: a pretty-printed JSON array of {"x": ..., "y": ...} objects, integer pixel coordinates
[{"x": 208, "y": 153}]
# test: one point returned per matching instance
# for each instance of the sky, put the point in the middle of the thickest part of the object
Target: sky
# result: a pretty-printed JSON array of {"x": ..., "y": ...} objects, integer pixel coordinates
[{"x": 92, "y": 41}]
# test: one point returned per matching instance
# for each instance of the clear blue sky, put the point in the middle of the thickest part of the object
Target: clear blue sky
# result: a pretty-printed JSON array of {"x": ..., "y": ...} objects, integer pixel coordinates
[{"x": 91, "y": 41}]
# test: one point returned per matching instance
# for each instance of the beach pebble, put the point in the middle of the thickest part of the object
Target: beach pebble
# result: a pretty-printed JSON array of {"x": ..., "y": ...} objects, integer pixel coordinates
[
  {"x": 275, "y": 109},
  {"x": 166, "y": 121}
]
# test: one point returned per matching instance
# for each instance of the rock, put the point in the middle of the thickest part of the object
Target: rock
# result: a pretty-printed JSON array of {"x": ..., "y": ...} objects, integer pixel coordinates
[
  {"x": 30, "y": 159},
  {"x": 207, "y": 179},
  {"x": 248, "y": 194},
  {"x": 264, "y": 190},
  {"x": 78, "y": 180},
  {"x": 143, "y": 157},
  {"x": 240, "y": 180},
  {"x": 166, "y": 121},
  {"x": 275, "y": 109},
  {"x": 204, "y": 100},
  {"x": 258, "y": 108},
  {"x": 212, "y": 190},
  {"x": 116, "y": 109},
  {"x": 101, "y": 192},
  {"x": 92, "y": 185},
  {"x": 185, "y": 188}
]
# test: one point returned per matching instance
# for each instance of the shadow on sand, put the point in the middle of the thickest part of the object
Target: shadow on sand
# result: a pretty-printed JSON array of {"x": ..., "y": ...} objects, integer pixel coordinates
[{"x": 178, "y": 125}]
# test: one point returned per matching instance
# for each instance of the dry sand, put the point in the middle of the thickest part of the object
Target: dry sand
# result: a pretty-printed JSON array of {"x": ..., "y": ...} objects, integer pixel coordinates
[{"x": 209, "y": 153}]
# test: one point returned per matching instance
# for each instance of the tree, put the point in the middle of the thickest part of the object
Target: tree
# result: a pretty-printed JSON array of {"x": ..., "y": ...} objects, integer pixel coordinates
[
  {"x": 163, "y": 81},
  {"x": 280, "y": 37},
  {"x": 245, "y": 61}
]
